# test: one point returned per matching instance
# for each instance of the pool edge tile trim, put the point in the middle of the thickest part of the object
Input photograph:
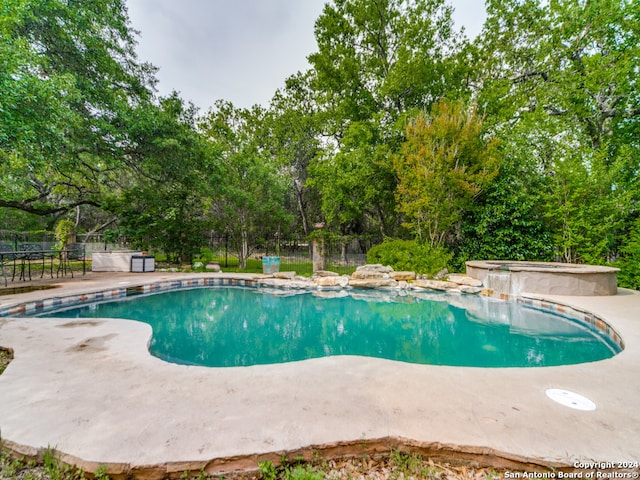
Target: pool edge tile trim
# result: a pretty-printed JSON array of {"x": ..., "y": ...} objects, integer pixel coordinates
[{"x": 53, "y": 303}]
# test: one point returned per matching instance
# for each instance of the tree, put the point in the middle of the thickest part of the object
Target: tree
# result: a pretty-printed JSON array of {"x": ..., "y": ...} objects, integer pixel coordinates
[
  {"x": 162, "y": 199},
  {"x": 509, "y": 221},
  {"x": 376, "y": 60},
  {"x": 558, "y": 74},
  {"x": 444, "y": 165},
  {"x": 291, "y": 129},
  {"x": 382, "y": 55},
  {"x": 629, "y": 261},
  {"x": 251, "y": 203},
  {"x": 69, "y": 70}
]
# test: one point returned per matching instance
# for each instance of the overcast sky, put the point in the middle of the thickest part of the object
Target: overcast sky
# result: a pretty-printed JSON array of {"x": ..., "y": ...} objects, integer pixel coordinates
[{"x": 238, "y": 50}]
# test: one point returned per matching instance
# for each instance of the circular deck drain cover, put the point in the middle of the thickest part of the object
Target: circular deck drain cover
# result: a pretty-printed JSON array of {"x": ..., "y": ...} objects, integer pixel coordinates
[{"x": 570, "y": 399}]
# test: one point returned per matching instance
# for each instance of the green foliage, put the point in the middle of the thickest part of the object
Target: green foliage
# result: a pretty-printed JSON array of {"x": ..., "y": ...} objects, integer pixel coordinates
[
  {"x": 202, "y": 475},
  {"x": 444, "y": 165},
  {"x": 409, "y": 255},
  {"x": 303, "y": 472},
  {"x": 293, "y": 129},
  {"x": 65, "y": 232},
  {"x": 101, "y": 473},
  {"x": 381, "y": 56},
  {"x": 411, "y": 465},
  {"x": 250, "y": 203},
  {"x": 50, "y": 468},
  {"x": 555, "y": 87},
  {"x": 357, "y": 182},
  {"x": 629, "y": 261},
  {"x": 509, "y": 223},
  {"x": 11, "y": 467},
  {"x": 295, "y": 470},
  {"x": 165, "y": 206},
  {"x": 375, "y": 61},
  {"x": 57, "y": 470},
  {"x": 268, "y": 470},
  {"x": 79, "y": 126},
  {"x": 69, "y": 71}
]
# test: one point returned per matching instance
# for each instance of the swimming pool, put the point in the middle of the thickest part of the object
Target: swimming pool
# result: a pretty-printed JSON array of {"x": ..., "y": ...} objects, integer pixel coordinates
[{"x": 237, "y": 326}]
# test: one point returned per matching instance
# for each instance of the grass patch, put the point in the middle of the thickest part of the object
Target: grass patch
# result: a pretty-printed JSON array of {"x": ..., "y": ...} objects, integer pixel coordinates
[{"x": 303, "y": 268}]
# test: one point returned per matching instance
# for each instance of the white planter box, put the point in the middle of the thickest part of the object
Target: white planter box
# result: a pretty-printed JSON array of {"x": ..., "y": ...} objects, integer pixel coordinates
[{"x": 112, "y": 261}]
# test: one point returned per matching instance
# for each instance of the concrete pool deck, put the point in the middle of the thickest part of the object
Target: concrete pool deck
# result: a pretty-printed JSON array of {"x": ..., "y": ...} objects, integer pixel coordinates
[{"x": 91, "y": 389}]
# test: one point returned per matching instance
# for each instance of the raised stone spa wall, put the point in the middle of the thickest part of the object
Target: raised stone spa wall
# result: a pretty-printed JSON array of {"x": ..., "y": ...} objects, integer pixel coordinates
[{"x": 514, "y": 279}]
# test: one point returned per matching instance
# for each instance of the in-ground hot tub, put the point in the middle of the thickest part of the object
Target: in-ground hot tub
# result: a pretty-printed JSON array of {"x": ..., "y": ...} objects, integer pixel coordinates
[{"x": 511, "y": 278}]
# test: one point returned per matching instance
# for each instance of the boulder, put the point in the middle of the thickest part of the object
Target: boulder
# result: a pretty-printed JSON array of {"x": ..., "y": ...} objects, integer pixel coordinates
[
  {"x": 213, "y": 267},
  {"x": 285, "y": 275},
  {"x": 375, "y": 267},
  {"x": 441, "y": 274},
  {"x": 365, "y": 274},
  {"x": 325, "y": 273},
  {"x": 464, "y": 280},
  {"x": 435, "y": 285},
  {"x": 331, "y": 281},
  {"x": 402, "y": 275},
  {"x": 372, "y": 282},
  {"x": 471, "y": 290},
  {"x": 285, "y": 283}
]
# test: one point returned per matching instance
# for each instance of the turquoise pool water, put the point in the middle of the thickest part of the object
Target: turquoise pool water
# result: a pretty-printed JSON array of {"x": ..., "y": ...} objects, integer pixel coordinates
[{"x": 231, "y": 327}]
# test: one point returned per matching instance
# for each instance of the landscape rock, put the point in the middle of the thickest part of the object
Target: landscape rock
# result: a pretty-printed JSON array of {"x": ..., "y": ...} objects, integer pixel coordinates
[
  {"x": 280, "y": 282},
  {"x": 213, "y": 267},
  {"x": 365, "y": 274},
  {"x": 464, "y": 280},
  {"x": 285, "y": 275},
  {"x": 469, "y": 289},
  {"x": 402, "y": 275},
  {"x": 375, "y": 267},
  {"x": 441, "y": 274},
  {"x": 331, "y": 281},
  {"x": 372, "y": 282},
  {"x": 325, "y": 273},
  {"x": 435, "y": 285}
]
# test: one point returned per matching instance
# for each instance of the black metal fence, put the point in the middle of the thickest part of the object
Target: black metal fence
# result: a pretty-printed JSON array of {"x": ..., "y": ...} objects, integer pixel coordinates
[
  {"x": 342, "y": 254},
  {"x": 29, "y": 255}
]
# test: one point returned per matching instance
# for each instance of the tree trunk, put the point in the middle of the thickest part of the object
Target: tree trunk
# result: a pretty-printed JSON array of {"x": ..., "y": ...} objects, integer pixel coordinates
[
  {"x": 244, "y": 249},
  {"x": 303, "y": 213}
]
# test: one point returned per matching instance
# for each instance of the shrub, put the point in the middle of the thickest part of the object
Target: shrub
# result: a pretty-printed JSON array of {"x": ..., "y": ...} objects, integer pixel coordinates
[
  {"x": 410, "y": 255},
  {"x": 65, "y": 232},
  {"x": 629, "y": 262}
]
